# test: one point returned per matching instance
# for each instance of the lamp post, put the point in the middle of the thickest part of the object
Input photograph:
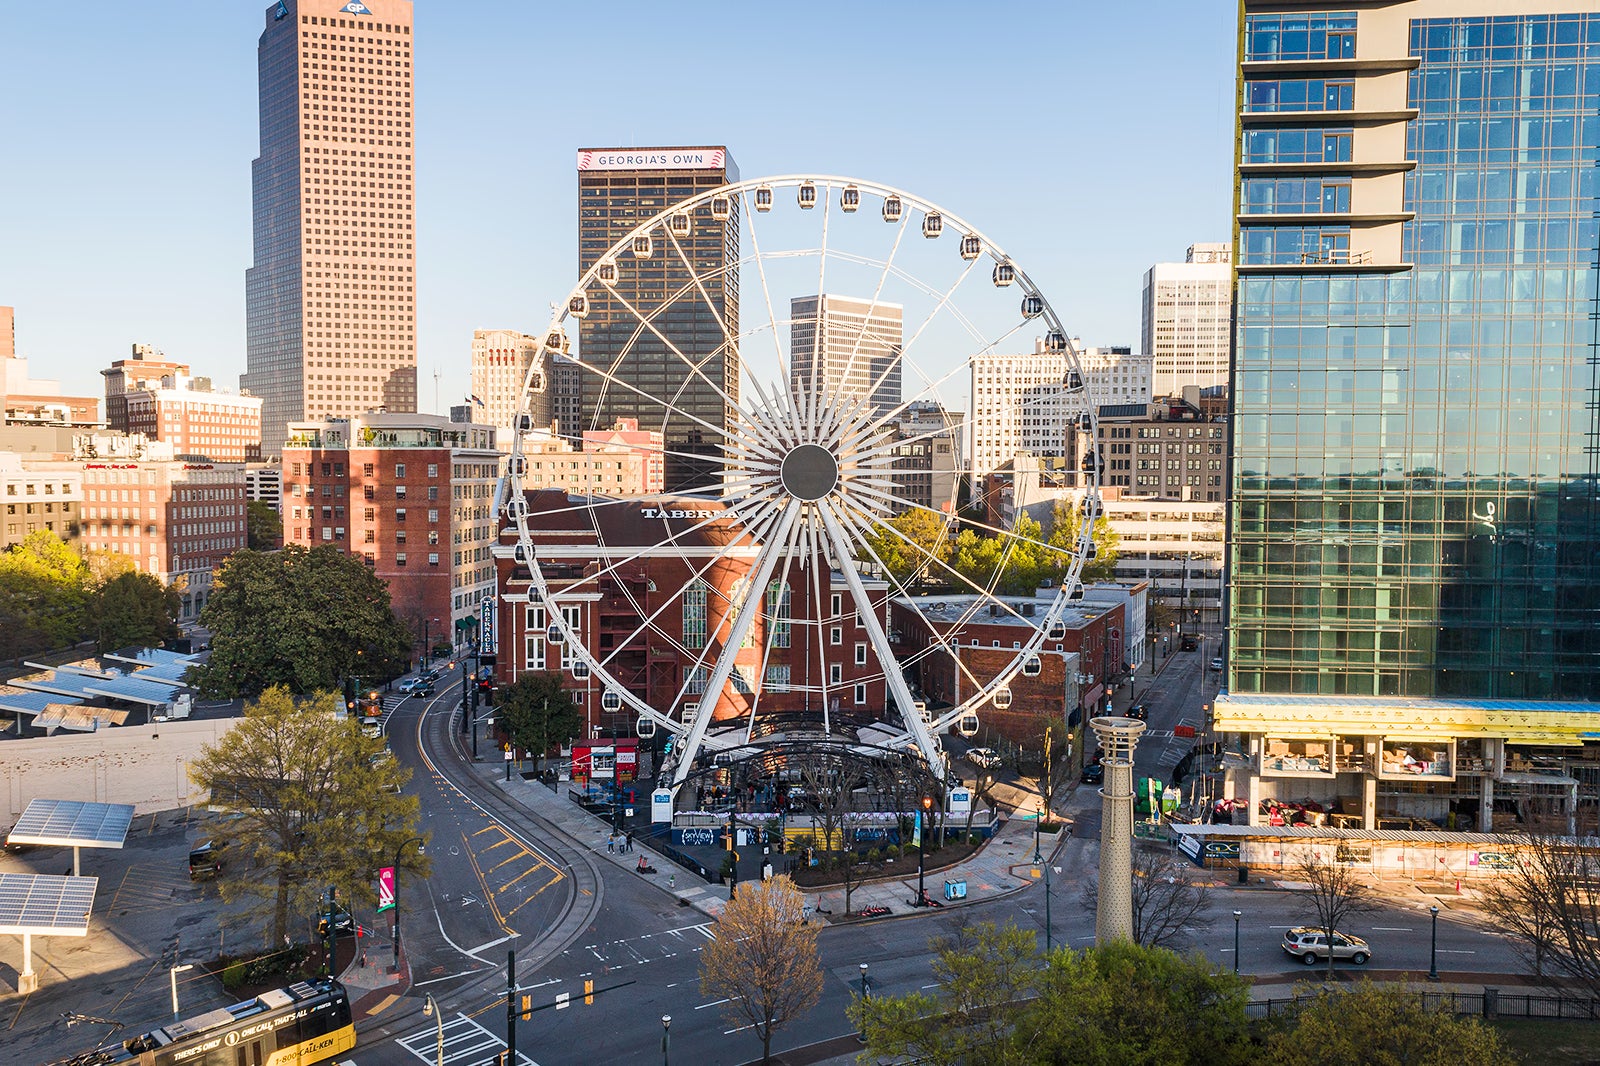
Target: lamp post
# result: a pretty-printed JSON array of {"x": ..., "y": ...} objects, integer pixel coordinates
[
  {"x": 922, "y": 843},
  {"x": 666, "y": 1037},
  {"x": 427, "y": 636},
  {"x": 176, "y": 970},
  {"x": 430, "y": 1009},
  {"x": 1235, "y": 941},
  {"x": 1433, "y": 950},
  {"x": 866, "y": 993},
  {"x": 418, "y": 842}
]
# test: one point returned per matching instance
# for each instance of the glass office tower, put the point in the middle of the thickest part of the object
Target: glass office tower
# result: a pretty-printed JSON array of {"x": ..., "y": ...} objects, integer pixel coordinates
[{"x": 1415, "y": 441}]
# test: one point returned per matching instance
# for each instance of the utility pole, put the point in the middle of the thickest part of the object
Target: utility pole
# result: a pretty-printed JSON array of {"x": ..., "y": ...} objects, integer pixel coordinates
[{"x": 511, "y": 1005}]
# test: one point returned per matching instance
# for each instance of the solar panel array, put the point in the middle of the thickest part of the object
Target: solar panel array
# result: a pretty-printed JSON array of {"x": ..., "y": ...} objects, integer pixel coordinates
[
  {"x": 131, "y": 688},
  {"x": 73, "y": 823},
  {"x": 45, "y": 904}
]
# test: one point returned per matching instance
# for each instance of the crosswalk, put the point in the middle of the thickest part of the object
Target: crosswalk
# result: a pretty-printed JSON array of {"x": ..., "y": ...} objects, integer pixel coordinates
[
  {"x": 645, "y": 948},
  {"x": 465, "y": 1043}
]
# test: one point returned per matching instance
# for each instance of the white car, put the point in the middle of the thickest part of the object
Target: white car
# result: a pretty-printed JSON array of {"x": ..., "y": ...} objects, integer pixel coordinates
[
  {"x": 410, "y": 685},
  {"x": 984, "y": 757}
]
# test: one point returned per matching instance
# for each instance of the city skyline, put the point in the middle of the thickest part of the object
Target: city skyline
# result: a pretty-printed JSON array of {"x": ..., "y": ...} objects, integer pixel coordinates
[{"x": 193, "y": 237}]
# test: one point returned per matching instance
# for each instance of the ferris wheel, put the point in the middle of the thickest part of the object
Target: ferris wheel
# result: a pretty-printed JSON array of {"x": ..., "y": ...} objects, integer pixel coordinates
[{"x": 796, "y": 353}]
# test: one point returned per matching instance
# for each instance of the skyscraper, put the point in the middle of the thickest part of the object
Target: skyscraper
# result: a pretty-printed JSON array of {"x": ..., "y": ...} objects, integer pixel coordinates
[
  {"x": 630, "y": 371},
  {"x": 501, "y": 359},
  {"x": 330, "y": 301},
  {"x": 842, "y": 347},
  {"x": 1414, "y": 541},
  {"x": 1186, "y": 315}
]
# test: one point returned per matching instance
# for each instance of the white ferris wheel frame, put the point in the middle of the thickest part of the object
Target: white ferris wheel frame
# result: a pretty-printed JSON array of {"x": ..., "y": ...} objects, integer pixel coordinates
[{"x": 831, "y": 537}]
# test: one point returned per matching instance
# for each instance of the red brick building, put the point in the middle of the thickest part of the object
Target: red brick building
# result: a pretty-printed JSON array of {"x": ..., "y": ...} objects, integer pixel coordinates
[
  {"x": 1067, "y": 674},
  {"x": 652, "y": 597},
  {"x": 411, "y": 494}
]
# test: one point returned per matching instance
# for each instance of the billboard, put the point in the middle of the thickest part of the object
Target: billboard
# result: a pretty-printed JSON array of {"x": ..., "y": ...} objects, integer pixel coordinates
[{"x": 652, "y": 158}]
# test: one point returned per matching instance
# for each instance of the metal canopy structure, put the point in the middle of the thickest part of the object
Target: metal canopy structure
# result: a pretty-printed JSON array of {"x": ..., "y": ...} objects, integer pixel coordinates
[
  {"x": 151, "y": 657},
  {"x": 134, "y": 690},
  {"x": 75, "y": 685},
  {"x": 21, "y": 701},
  {"x": 166, "y": 673},
  {"x": 72, "y": 824},
  {"x": 44, "y": 905}
]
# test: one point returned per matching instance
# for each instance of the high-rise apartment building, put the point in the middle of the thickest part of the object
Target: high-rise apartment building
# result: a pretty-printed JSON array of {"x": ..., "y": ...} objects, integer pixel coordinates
[
  {"x": 501, "y": 359},
  {"x": 846, "y": 349},
  {"x": 631, "y": 372},
  {"x": 1114, "y": 374},
  {"x": 1414, "y": 536},
  {"x": 1185, "y": 325},
  {"x": 411, "y": 494},
  {"x": 1018, "y": 405},
  {"x": 330, "y": 301}
]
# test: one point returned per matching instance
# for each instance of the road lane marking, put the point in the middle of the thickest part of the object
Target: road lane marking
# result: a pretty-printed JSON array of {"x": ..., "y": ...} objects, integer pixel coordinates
[
  {"x": 713, "y": 1003},
  {"x": 494, "y": 907}
]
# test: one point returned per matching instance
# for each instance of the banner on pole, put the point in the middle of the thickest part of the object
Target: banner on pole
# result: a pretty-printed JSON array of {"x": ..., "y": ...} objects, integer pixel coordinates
[{"x": 385, "y": 889}]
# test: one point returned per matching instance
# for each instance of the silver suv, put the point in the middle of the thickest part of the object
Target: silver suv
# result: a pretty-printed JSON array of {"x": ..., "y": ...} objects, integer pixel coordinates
[{"x": 1310, "y": 946}]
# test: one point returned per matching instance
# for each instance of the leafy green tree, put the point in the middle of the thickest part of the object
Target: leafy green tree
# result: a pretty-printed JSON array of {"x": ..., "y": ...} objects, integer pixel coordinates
[
  {"x": 44, "y": 590},
  {"x": 915, "y": 548},
  {"x": 1066, "y": 526},
  {"x": 303, "y": 619},
  {"x": 997, "y": 1000},
  {"x": 1375, "y": 1025},
  {"x": 317, "y": 804},
  {"x": 263, "y": 526},
  {"x": 134, "y": 610},
  {"x": 1013, "y": 563},
  {"x": 539, "y": 712}
]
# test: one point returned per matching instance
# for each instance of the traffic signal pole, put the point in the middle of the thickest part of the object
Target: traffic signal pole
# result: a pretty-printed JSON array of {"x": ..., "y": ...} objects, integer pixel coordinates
[{"x": 511, "y": 1005}]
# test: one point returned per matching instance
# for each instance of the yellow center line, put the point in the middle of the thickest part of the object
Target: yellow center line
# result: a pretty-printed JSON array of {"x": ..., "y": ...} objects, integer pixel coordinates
[{"x": 488, "y": 894}]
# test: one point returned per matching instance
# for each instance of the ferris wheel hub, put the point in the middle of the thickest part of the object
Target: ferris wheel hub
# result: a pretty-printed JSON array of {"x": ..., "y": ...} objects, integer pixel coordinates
[{"x": 809, "y": 472}]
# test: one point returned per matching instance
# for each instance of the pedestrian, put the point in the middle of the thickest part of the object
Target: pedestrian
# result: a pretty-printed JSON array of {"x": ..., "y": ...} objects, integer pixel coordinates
[
  {"x": 628, "y": 842},
  {"x": 611, "y": 843}
]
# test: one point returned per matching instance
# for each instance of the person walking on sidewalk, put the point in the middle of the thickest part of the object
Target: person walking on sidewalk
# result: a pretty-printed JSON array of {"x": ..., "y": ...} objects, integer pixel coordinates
[
  {"x": 611, "y": 843},
  {"x": 627, "y": 842}
]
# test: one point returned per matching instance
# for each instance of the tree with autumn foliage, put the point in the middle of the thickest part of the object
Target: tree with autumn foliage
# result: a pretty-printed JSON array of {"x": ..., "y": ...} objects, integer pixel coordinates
[{"x": 763, "y": 963}]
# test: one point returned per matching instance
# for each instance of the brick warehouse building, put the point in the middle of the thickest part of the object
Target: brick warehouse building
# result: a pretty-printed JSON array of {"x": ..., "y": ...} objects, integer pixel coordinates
[
  {"x": 1063, "y": 681},
  {"x": 411, "y": 494},
  {"x": 612, "y": 565}
]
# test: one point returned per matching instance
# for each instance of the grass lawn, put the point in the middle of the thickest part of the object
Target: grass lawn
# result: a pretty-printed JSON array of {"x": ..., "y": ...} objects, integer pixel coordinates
[{"x": 1545, "y": 1040}]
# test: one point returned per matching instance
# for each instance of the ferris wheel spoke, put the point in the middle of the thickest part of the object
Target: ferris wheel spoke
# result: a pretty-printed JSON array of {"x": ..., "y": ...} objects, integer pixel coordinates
[
  {"x": 766, "y": 294},
  {"x": 857, "y": 525},
  {"x": 648, "y": 322},
  {"x": 769, "y": 631},
  {"x": 820, "y": 597},
  {"x": 894, "y": 680},
  {"x": 730, "y": 648}
]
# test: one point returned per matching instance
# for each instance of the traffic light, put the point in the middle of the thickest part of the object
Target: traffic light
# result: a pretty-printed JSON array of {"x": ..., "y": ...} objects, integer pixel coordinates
[{"x": 527, "y": 1008}]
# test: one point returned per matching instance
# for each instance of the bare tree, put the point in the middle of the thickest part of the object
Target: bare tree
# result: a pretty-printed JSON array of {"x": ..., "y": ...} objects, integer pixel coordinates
[
  {"x": 764, "y": 959},
  {"x": 834, "y": 781},
  {"x": 1168, "y": 905},
  {"x": 1336, "y": 894},
  {"x": 1549, "y": 902}
]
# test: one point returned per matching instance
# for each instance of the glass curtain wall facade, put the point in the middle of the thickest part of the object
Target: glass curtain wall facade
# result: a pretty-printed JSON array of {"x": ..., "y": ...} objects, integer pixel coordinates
[
  {"x": 1416, "y": 448},
  {"x": 643, "y": 369}
]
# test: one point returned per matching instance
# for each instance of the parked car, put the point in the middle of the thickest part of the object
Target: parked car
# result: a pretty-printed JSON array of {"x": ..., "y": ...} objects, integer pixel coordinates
[
  {"x": 15, "y": 849},
  {"x": 984, "y": 757},
  {"x": 1137, "y": 710},
  {"x": 372, "y": 728},
  {"x": 1188, "y": 644},
  {"x": 205, "y": 860},
  {"x": 1310, "y": 946},
  {"x": 1216, "y": 662},
  {"x": 1093, "y": 774}
]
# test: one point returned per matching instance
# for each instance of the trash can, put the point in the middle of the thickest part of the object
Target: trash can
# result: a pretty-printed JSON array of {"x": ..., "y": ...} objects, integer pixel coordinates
[
  {"x": 1244, "y": 875},
  {"x": 955, "y": 890}
]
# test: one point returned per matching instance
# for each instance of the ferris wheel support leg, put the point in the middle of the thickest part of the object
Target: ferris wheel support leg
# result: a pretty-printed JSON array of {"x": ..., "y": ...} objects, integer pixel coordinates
[
  {"x": 753, "y": 603},
  {"x": 899, "y": 691}
]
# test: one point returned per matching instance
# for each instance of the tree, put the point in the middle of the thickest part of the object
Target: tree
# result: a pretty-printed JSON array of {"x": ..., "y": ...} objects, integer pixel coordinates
[
  {"x": 1549, "y": 903},
  {"x": 1336, "y": 894},
  {"x": 539, "y": 713},
  {"x": 44, "y": 589},
  {"x": 1380, "y": 1026},
  {"x": 1167, "y": 903},
  {"x": 1066, "y": 526},
  {"x": 317, "y": 804},
  {"x": 834, "y": 781},
  {"x": 764, "y": 959},
  {"x": 997, "y": 1000},
  {"x": 1013, "y": 562},
  {"x": 263, "y": 526},
  {"x": 912, "y": 546},
  {"x": 303, "y": 619},
  {"x": 134, "y": 609}
]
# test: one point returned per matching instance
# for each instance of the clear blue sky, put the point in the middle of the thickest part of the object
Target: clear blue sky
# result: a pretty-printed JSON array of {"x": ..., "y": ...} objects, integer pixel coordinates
[{"x": 1088, "y": 139}]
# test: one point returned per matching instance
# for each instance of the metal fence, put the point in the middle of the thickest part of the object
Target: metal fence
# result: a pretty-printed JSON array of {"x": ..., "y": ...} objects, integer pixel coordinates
[{"x": 1490, "y": 1003}]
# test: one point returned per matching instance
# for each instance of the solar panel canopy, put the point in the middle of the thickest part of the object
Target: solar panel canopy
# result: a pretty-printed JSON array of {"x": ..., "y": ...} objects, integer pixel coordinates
[
  {"x": 46, "y": 904},
  {"x": 72, "y": 823}
]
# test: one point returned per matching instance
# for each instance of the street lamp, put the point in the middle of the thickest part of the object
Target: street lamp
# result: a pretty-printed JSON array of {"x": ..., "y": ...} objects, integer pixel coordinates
[
  {"x": 1235, "y": 941},
  {"x": 866, "y": 994},
  {"x": 176, "y": 970},
  {"x": 1433, "y": 950},
  {"x": 922, "y": 839},
  {"x": 430, "y": 1009},
  {"x": 1038, "y": 856},
  {"x": 666, "y": 1037},
  {"x": 420, "y": 845}
]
